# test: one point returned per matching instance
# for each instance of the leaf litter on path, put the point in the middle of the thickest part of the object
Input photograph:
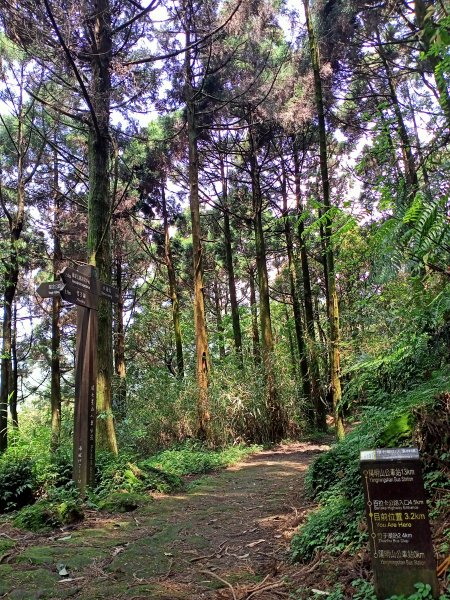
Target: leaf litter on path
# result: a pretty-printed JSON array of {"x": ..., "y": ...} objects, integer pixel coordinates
[{"x": 227, "y": 538}]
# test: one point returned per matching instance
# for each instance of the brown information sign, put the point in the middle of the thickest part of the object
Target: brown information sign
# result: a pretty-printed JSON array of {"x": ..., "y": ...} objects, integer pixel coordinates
[
  {"x": 81, "y": 287},
  {"x": 397, "y": 518}
]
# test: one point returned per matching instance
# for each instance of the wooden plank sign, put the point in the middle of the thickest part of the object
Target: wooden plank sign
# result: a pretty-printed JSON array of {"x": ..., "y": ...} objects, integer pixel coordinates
[
  {"x": 399, "y": 531},
  {"x": 85, "y": 412},
  {"x": 81, "y": 287},
  {"x": 50, "y": 289}
]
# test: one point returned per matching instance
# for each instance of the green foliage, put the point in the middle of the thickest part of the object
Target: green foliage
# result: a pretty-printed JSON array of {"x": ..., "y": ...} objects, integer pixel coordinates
[
  {"x": 364, "y": 590},
  {"x": 70, "y": 512},
  {"x": 126, "y": 474},
  {"x": 192, "y": 458},
  {"x": 17, "y": 483},
  {"x": 334, "y": 478},
  {"x": 333, "y": 528},
  {"x": 423, "y": 590},
  {"x": 41, "y": 516}
]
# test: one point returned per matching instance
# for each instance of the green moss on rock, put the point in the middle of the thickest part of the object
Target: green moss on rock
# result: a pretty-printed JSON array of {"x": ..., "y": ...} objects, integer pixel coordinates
[
  {"x": 41, "y": 516},
  {"x": 123, "y": 502}
]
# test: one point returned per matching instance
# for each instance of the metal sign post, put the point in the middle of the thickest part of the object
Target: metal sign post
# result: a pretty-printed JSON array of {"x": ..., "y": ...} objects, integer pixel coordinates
[{"x": 81, "y": 287}]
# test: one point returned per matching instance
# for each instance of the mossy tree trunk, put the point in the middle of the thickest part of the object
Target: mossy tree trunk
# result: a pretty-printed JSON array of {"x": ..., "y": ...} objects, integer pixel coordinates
[
  {"x": 333, "y": 306},
  {"x": 11, "y": 274},
  {"x": 120, "y": 366},
  {"x": 172, "y": 286},
  {"x": 276, "y": 420},
  {"x": 299, "y": 329},
  {"x": 318, "y": 403},
  {"x": 237, "y": 333},
  {"x": 55, "y": 385},
  {"x": 256, "y": 345},
  {"x": 100, "y": 209},
  {"x": 201, "y": 336}
]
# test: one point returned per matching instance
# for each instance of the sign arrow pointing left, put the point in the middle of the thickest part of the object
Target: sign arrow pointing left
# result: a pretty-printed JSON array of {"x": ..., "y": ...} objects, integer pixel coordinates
[{"x": 50, "y": 289}]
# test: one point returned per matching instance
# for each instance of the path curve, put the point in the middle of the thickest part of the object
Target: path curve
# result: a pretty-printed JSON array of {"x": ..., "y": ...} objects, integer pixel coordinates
[{"x": 227, "y": 538}]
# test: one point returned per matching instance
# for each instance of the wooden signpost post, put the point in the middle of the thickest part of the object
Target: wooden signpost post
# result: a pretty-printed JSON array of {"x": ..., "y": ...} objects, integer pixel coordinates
[
  {"x": 399, "y": 531},
  {"x": 81, "y": 287}
]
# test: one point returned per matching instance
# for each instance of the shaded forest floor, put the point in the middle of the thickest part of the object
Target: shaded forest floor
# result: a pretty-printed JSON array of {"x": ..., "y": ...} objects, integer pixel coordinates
[{"x": 226, "y": 538}]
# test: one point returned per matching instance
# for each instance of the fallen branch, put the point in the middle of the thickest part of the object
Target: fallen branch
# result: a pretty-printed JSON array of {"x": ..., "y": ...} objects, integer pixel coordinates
[
  {"x": 224, "y": 581},
  {"x": 215, "y": 553},
  {"x": 167, "y": 575},
  {"x": 265, "y": 588}
]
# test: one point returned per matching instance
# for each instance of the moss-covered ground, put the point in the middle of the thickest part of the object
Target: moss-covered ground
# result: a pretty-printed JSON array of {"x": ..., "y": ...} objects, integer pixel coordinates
[{"x": 227, "y": 536}]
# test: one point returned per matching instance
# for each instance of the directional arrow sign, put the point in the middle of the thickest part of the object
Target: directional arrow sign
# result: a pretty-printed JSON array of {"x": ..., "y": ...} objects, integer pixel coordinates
[
  {"x": 50, "y": 289},
  {"x": 78, "y": 280},
  {"x": 81, "y": 297},
  {"x": 109, "y": 292}
]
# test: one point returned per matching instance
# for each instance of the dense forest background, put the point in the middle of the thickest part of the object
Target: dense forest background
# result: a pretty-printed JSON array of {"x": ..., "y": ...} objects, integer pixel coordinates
[{"x": 266, "y": 184}]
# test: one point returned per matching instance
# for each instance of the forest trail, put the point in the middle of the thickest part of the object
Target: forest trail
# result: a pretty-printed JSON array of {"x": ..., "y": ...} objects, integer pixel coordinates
[{"x": 226, "y": 538}]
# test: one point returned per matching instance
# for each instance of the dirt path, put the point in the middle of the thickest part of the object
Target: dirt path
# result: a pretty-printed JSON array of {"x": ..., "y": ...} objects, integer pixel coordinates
[{"x": 227, "y": 538}]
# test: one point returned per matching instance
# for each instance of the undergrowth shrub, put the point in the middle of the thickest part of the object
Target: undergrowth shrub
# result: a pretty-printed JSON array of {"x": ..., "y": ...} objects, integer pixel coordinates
[
  {"x": 126, "y": 473},
  {"x": 363, "y": 590},
  {"x": 162, "y": 410},
  {"x": 17, "y": 483},
  {"x": 193, "y": 458},
  {"x": 39, "y": 517},
  {"x": 334, "y": 479},
  {"x": 123, "y": 502}
]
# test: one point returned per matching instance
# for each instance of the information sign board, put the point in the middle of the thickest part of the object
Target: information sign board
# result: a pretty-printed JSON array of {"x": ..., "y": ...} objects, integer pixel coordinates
[{"x": 399, "y": 531}]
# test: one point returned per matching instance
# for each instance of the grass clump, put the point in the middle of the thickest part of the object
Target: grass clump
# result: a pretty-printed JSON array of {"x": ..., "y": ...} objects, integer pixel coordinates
[
  {"x": 123, "y": 502},
  {"x": 195, "y": 459}
]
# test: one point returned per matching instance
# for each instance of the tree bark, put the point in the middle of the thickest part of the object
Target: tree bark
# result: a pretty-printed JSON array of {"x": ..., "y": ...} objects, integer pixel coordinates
[
  {"x": 317, "y": 401},
  {"x": 329, "y": 256},
  {"x": 237, "y": 334},
  {"x": 55, "y": 385},
  {"x": 172, "y": 287},
  {"x": 14, "y": 384},
  {"x": 299, "y": 332},
  {"x": 11, "y": 278},
  {"x": 254, "y": 310},
  {"x": 201, "y": 336},
  {"x": 219, "y": 320},
  {"x": 99, "y": 211},
  {"x": 120, "y": 366},
  {"x": 276, "y": 421}
]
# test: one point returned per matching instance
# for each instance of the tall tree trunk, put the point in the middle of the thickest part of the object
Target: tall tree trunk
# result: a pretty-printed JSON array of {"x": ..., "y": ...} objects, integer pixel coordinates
[
  {"x": 13, "y": 395},
  {"x": 11, "y": 278},
  {"x": 237, "y": 334},
  {"x": 292, "y": 352},
  {"x": 201, "y": 336},
  {"x": 172, "y": 287},
  {"x": 55, "y": 385},
  {"x": 99, "y": 211},
  {"x": 254, "y": 310},
  {"x": 317, "y": 401},
  {"x": 406, "y": 149},
  {"x": 299, "y": 332},
  {"x": 276, "y": 420},
  {"x": 119, "y": 347},
  {"x": 219, "y": 320},
  {"x": 329, "y": 256}
]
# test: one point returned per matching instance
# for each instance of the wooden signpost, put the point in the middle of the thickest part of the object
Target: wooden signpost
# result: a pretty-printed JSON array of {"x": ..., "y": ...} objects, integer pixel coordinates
[
  {"x": 81, "y": 287},
  {"x": 397, "y": 518}
]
